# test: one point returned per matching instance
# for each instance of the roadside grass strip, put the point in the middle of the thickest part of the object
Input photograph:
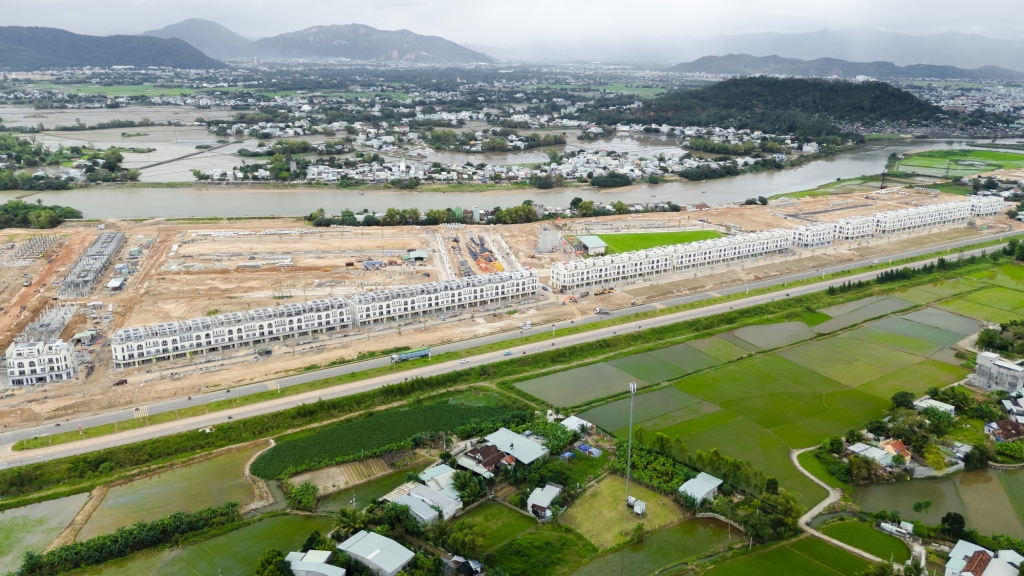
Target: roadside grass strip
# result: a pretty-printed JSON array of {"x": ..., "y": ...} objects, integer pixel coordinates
[
  {"x": 979, "y": 311},
  {"x": 648, "y": 368},
  {"x": 874, "y": 310},
  {"x": 864, "y": 537},
  {"x": 719, "y": 349},
  {"x": 769, "y": 336},
  {"x": 579, "y": 385},
  {"x": 686, "y": 357},
  {"x": 615, "y": 415},
  {"x": 644, "y": 240},
  {"x": 796, "y": 557}
]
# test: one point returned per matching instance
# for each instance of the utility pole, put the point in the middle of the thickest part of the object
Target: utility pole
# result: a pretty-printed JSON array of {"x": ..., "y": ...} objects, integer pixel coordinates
[{"x": 629, "y": 450}]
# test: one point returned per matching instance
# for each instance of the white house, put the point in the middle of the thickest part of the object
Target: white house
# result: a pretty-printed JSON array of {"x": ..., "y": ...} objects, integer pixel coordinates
[
  {"x": 40, "y": 362},
  {"x": 539, "y": 502},
  {"x": 313, "y": 563},
  {"x": 703, "y": 487},
  {"x": 992, "y": 372},
  {"x": 967, "y": 559},
  {"x": 932, "y": 403},
  {"x": 575, "y": 424},
  {"x": 380, "y": 554}
]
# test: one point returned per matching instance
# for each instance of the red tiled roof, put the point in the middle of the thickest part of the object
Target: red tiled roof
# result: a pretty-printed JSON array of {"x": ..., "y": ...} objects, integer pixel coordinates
[{"x": 977, "y": 563}]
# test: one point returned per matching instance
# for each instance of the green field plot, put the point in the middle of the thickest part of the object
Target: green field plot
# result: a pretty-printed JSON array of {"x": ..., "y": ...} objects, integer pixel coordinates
[
  {"x": 580, "y": 385},
  {"x": 916, "y": 379},
  {"x": 905, "y": 335},
  {"x": 885, "y": 358},
  {"x": 500, "y": 523},
  {"x": 1002, "y": 298},
  {"x": 719, "y": 349},
  {"x": 678, "y": 417},
  {"x": 615, "y": 415},
  {"x": 916, "y": 295},
  {"x": 900, "y": 496},
  {"x": 795, "y": 558},
  {"x": 945, "y": 320},
  {"x": 960, "y": 162},
  {"x": 768, "y": 336},
  {"x": 844, "y": 368},
  {"x": 989, "y": 508},
  {"x": 846, "y": 409},
  {"x": 601, "y": 516},
  {"x": 663, "y": 548},
  {"x": 777, "y": 408},
  {"x": 847, "y": 307},
  {"x": 947, "y": 288},
  {"x": 1005, "y": 280},
  {"x": 818, "y": 470},
  {"x": 761, "y": 375},
  {"x": 648, "y": 368},
  {"x": 643, "y": 240},
  {"x": 33, "y": 527},
  {"x": 699, "y": 424},
  {"x": 1013, "y": 484},
  {"x": 864, "y": 313},
  {"x": 979, "y": 311},
  {"x": 686, "y": 357},
  {"x": 947, "y": 356},
  {"x": 739, "y": 342},
  {"x": 548, "y": 551},
  {"x": 866, "y": 538},
  {"x": 741, "y": 438}
]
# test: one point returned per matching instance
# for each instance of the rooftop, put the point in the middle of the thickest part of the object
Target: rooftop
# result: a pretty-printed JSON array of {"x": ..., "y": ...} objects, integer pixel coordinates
[
  {"x": 524, "y": 449},
  {"x": 382, "y": 551},
  {"x": 699, "y": 487}
]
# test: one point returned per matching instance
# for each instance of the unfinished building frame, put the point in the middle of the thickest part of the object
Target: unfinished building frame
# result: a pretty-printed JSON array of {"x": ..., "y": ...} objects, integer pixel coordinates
[{"x": 85, "y": 274}]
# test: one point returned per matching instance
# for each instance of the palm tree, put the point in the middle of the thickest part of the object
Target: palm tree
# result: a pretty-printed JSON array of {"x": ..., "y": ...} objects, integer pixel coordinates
[
  {"x": 639, "y": 532},
  {"x": 439, "y": 532},
  {"x": 348, "y": 521}
]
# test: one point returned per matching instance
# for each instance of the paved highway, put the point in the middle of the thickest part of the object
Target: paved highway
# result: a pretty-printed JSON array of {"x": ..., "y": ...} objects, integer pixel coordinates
[{"x": 9, "y": 458}]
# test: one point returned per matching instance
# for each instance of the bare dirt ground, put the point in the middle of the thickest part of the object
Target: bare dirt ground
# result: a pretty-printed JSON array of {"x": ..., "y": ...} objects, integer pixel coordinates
[{"x": 203, "y": 277}]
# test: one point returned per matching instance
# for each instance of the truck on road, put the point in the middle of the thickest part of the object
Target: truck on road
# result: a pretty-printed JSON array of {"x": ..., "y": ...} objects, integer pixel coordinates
[
  {"x": 602, "y": 311},
  {"x": 410, "y": 355}
]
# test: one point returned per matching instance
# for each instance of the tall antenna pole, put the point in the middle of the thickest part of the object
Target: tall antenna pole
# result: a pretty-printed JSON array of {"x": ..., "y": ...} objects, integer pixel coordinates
[{"x": 629, "y": 451}]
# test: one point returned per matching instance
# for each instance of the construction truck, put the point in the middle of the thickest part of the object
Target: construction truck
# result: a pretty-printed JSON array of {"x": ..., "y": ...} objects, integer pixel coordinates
[
  {"x": 602, "y": 311},
  {"x": 410, "y": 355}
]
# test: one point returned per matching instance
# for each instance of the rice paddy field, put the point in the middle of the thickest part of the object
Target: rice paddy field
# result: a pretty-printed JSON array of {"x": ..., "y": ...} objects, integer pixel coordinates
[
  {"x": 806, "y": 556},
  {"x": 209, "y": 483},
  {"x": 33, "y": 527},
  {"x": 960, "y": 162},
  {"x": 644, "y": 240},
  {"x": 865, "y": 537}
]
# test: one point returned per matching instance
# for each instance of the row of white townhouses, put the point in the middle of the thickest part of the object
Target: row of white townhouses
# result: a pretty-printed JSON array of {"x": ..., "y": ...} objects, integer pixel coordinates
[
  {"x": 631, "y": 266},
  {"x": 172, "y": 340}
]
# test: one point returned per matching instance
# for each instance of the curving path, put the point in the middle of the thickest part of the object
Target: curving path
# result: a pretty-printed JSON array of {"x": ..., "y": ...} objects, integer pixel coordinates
[{"x": 834, "y": 494}]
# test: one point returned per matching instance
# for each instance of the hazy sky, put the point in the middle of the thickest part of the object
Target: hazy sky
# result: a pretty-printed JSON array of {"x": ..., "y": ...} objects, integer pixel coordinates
[{"x": 508, "y": 22}]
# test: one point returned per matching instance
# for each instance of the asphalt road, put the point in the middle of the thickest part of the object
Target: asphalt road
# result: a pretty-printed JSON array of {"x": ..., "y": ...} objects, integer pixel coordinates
[{"x": 9, "y": 458}]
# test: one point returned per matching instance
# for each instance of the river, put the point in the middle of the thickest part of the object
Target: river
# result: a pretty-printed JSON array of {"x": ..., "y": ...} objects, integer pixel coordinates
[{"x": 117, "y": 202}]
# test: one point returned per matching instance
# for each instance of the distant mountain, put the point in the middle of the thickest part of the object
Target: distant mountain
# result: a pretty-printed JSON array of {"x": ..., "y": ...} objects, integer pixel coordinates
[
  {"x": 360, "y": 42},
  {"x": 213, "y": 39},
  {"x": 33, "y": 48},
  {"x": 745, "y": 64}
]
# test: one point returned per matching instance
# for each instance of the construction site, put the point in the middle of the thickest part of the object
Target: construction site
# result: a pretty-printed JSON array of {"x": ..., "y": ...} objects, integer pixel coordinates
[{"x": 142, "y": 273}]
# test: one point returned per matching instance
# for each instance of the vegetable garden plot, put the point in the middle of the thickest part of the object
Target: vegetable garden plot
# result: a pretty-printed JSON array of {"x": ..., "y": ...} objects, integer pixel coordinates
[
  {"x": 615, "y": 415},
  {"x": 768, "y": 336},
  {"x": 580, "y": 385}
]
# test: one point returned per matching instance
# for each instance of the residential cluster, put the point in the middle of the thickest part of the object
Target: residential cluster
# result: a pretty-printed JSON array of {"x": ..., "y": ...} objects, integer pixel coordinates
[{"x": 632, "y": 266}]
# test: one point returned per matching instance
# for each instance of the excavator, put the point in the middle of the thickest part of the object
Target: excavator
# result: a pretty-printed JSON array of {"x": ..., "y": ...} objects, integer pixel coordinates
[{"x": 570, "y": 298}]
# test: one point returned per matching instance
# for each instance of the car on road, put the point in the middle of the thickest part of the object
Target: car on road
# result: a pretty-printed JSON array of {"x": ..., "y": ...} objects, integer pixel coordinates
[
  {"x": 463, "y": 360},
  {"x": 875, "y": 262},
  {"x": 508, "y": 352}
]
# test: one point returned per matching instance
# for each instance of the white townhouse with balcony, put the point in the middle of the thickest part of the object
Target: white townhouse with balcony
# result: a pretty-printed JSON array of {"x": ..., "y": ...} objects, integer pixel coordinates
[
  {"x": 909, "y": 219},
  {"x": 851, "y": 229},
  {"x": 813, "y": 235},
  {"x": 40, "y": 362}
]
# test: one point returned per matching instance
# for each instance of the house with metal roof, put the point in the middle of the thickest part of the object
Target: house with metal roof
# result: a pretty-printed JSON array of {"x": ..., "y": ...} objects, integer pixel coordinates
[
  {"x": 703, "y": 487},
  {"x": 313, "y": 563},
  {"x": 380, "y": 554},
  {"x": 525, "y": 449},
  {"x": 593, "y": 245},
  {"x": 539, "y": 502}
]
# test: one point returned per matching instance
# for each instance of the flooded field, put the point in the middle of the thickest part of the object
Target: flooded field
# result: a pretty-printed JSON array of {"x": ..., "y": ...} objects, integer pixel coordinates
[
  {"x": 663, "y": 548},
  {"x": 33, "y": 527},
  {"x": 367, "y": 492},
  {"x": 208, "y": 483}
]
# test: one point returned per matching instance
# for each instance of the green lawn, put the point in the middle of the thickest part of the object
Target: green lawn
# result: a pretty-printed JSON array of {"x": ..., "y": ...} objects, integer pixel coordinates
[
  {"x": 806, "y": 557},
  {"x": 548, "y": 551},
  {"x": 500, "y": 523},
  {"x": 642, "y": 240},
  {"x": 866, "y": 538},
  {"x": 818, "y": 470},
  {"x": 601, "y": 515}
]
